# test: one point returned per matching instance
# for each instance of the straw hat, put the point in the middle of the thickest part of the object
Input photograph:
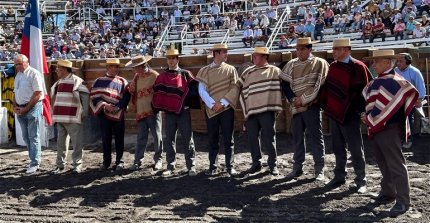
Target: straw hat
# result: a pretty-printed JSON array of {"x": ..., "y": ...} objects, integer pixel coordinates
[
  {"x": 112, "y": 61},
  {"x": 262, "y": 50},
  {"x": 304, "y": 41},
  {"x": 341, "y": 43},
  {"x": 138, "y": 60},
  {"x": 383, "y": 54},
  {"x": 219, "y": 47},
  {"x": 172, "y": 52},
  {"x": 65, "y": 63}
]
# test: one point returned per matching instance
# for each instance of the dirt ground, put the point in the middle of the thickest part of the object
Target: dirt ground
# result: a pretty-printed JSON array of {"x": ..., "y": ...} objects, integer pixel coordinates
[{"x": 146, "y": 196}]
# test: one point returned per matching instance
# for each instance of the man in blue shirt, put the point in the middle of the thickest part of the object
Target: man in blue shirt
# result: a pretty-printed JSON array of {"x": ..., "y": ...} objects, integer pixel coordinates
[{"x": 413, "y": 75}]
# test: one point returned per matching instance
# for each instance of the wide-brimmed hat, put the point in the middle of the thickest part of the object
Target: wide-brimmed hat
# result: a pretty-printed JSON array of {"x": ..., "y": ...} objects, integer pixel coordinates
[
  {"x": 172, "y": 52},
  {"x": 65, "y": 63},
  {"x": 219, "y": 47},
  {"x": 112, "y": 61},
  {"x": 341, "y": 43},
  {"x": 138, "y": 60},
  {"x": 304, "y": 41},
  {"x": 383, "y": 54},
  {"x": 262, "y": 50}
]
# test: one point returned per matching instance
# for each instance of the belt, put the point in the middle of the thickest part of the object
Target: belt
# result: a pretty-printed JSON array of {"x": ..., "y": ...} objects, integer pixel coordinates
[{"x": 21, "y": 106}]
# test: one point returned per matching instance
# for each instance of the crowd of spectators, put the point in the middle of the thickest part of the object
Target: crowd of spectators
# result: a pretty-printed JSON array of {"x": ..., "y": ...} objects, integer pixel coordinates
[
  {"x": 378, "y": 19},
  {"x": 131, "y": 27}
]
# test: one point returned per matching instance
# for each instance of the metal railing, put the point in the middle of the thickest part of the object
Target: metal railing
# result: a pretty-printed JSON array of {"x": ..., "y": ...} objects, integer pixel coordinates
[
  {"x": 162, "y": 38},
  {"x": 226, "y": 37},
  {"x": 278, "y": 27},
  {"x": 184, "y": 35}
]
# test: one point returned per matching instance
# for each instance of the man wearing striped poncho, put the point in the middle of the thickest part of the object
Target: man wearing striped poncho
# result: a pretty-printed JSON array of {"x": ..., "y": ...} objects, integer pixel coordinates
[
  {"x": 70, "y": 102},
  {"x": 261, "y": 100},
  {"x": 389, "y": 100}
]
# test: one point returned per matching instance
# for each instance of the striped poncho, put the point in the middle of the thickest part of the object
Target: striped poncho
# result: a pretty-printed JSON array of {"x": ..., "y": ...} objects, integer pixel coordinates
[
  {"x": 221, "y": 81},
  {"x": 305, "y": 78},
  {"x": 171, "y": 89},
  {"x": 261, "y": 90},
  {"x": 142, "y": 97},
  {"x": 67, "y": 106},
  {"x": 385, "y": 96},
  {"x": 108, "y": 90}
]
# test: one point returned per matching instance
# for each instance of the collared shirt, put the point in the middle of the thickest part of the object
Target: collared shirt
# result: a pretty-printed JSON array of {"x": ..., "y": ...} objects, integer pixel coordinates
[
  {"x": 346, "y": 60},
  {"x": 248, "y": 33},
  {"x": 26, "y": 83}
]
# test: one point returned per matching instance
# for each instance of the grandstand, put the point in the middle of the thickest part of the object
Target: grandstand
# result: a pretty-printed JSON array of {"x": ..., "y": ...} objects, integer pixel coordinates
[{"x": 155, "y": 26}]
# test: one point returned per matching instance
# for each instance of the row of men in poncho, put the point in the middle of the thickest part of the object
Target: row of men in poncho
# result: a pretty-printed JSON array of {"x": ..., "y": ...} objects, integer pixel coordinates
[{"x": 344, "y": 90}]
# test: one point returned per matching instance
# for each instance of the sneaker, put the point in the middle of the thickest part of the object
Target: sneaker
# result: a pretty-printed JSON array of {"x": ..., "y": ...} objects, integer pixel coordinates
[
  {"x": 32, "y": 169},
  {"x": 119, "y": 167},
  {"x": 158, "y": 165},
  {"x": 295, "y": 173},
  {"x": 103, "y": 167},
  {"x": 407, "y": 145},
  {"x": 58, "y": 170},
  {"x": 134, "y": 167},
  {"x": 232, "y": 172},
  {"x": 77, "y": 170},
  {"x": 192, "y": 172},
  {"x": 167, "y": 173},
  {"x": 319, "y": 176},
  {"x": 398, "y": 209},
  {"x": 361, "y": 189},
  {"x": 274, "y": 171}
]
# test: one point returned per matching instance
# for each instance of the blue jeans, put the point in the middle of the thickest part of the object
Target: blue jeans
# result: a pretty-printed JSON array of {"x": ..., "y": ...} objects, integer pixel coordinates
[{"x": 30, "y": 126}]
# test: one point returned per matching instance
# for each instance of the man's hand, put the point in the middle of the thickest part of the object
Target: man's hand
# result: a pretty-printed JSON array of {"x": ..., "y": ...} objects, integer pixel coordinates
[
  {"x": 418, "y": 104},
  {"x": 17, "y": 110},
  {"x": 297, "y": 102},
  {"x": 217, "y": 107}
]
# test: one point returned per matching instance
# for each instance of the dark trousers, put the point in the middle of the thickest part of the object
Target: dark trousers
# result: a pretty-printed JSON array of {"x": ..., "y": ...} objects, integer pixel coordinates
[
  {"x": 264, "y": 123},
  {"x": 117, "y": 128},
  {"x": 225, "y": 120},
  {"x": 348, "y": 135},
  {"x": 392, "y": 163},
  {"x": 310, "y": 122},
  {"x": 183, "y": 123}
]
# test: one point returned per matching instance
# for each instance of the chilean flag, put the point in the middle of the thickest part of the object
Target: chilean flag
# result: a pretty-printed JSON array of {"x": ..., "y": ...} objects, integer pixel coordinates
[{"x": 32, "y": 47}]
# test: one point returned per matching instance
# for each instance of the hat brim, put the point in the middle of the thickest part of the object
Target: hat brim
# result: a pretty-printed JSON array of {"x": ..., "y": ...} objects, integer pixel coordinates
[
  {"x": 213, "y": 49},
  {"x": 131, "y": 64},
  {"x": 117, "y": 64},
  {"x": 56, "y": 65},
  {"x": 396, "y": 56}
]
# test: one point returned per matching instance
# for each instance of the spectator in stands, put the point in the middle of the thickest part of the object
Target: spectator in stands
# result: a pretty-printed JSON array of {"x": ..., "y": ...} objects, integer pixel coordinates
[
  {"x": 328, "y": 16},
  {"x": 233, "y": 26},
  {"x": 273, "y": 15},
  {"x": 247, "y": 36},
  {"x": 300, "y": 28},
  {"x": 373, "y": 8},
  {"x": 211, "y": 21},
  {"x": 264, "y": 20},
  {"x": 410, "y": 26},
  {"x": 426, "y": 6},
  {"x": 215, "y": 10},
  {"x": 3, "y": 13},
  {"x": 409, "y": 13},
  {"x": 336, "y": 23},
  {"x": 356, "y": 22},
  {"x": 195, "y": 21},
  {"x": 309, "y": 29},
  {"x": 343, "y": 21},
  {"x": 319, "y": 29},
  {"x": 419, "y": 32},
  {"x": 399, "y": 28},
  {"x": 355, "y": 8},
  {"x": 178, "y": 15},
  {"x": 409, "y": 7},
  {"x": 310, "y": 18},
  {"x": 283, "y": 43},
  {"x": 301, "y": 12},
  {"x": 367, "y": 32},
  {"x": 378, "y": 30},
  {"x": 258, "y": 35},
  {"x": 424, "y": 21}
]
